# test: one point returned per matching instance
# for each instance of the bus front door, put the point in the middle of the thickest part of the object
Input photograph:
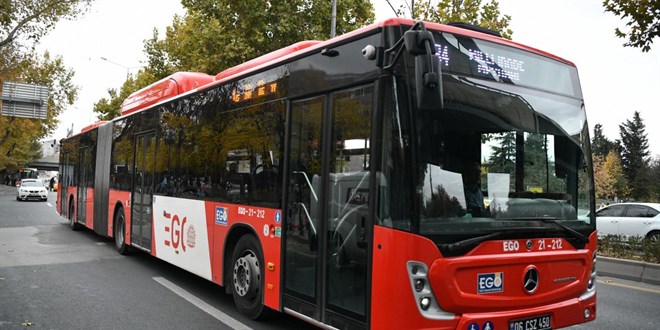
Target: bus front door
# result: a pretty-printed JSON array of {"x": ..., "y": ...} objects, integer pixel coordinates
[
  {"x": 142, "y": 190},
  {"x": 327, "y": 208}
]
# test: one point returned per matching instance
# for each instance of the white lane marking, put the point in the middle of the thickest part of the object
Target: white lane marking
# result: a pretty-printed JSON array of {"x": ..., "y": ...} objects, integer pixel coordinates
[
  {"x": 49, "y": 204},
  {"x": 222, "y": 317}
]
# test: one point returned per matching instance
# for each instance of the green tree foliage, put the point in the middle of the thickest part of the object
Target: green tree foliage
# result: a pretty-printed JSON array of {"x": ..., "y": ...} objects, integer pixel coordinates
[
  {"x": 600, "y": 176},
  {"x": 635, "y": 155},
  {"x": 31, "y": 20},
  {"x": 218, "y": 34},
  {"x": 613, "y": 182},
  {"x": 643, "y": 21},
  {"x": 215, "y": 35},
  {"x": 503, "y": 156},
  {"x": 22, "y": 24},
  {"x": 109, "y": 108},
  {"x": 654, "y": 180},
  {"x": 475, "y": 12},
  {"x": 601, "y": 145},
  {"x": 18, "y": 136}
]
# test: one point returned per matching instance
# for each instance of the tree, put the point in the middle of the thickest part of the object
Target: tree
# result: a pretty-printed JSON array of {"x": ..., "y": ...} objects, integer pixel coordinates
[
  {"x": 600, "y": 145},
  {"x": 635, "y": 154},
  {"x": 654, "y": 180},
  {"x": 18, "y": 136},
  {"x": 109, "y": 108},
  {"x": 503, "y": 155},
  {"x": 218, "y": 34},
  {"x": 643, "y": 21},
  {"x": 614, "y": 183},
  {"x": 22, "y": 24},
  {"x": 600, "y": 176},
  {"x": 467, "y": 11},
  {"x": 214, "y": 35},
  {"x": 31, "y": 20}
]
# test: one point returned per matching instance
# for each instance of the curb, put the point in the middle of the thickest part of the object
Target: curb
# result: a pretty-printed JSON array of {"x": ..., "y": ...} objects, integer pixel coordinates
[{"x": 629, "y": 270}]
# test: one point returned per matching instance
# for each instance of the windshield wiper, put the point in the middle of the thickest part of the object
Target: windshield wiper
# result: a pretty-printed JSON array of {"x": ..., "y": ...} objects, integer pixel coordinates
[
  {"x": 450, "y": 248},
  {"x": 583, "y": 239}
]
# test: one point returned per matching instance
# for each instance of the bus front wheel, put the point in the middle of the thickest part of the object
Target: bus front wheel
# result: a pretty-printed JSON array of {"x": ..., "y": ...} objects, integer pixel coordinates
[{"x": 247, "y": 277}]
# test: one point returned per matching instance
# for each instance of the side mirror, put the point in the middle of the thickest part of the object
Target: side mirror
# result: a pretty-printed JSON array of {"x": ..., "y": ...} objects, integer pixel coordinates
[
  {"x": 428, "y": 78},
  {"x": 428, "y": 82}
]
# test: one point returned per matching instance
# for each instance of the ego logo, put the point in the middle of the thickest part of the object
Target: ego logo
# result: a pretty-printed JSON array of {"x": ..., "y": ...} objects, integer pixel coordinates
[
  {"x": 177, "y": 230},
  {"x": 491, "y": 282}
]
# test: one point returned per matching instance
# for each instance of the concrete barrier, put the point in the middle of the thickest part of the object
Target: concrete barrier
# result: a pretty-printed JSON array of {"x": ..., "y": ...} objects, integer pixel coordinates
[{"x": 629, "y": 270}]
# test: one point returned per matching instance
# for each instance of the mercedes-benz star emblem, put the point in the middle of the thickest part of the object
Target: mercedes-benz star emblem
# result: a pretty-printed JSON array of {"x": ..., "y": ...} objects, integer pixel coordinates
[
  {"x": 531, "y": 280},
  {"x": 529, "y": 245}
]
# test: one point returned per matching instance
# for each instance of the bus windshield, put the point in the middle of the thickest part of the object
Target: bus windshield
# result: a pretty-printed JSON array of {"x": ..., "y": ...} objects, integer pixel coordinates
[
  {"x": 485, "y": 166},
  {"x": 496, "y": 157}
]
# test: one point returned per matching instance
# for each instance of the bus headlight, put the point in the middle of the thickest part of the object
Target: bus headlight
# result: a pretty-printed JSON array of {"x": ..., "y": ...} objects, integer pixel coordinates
[
  {"x": 424, "y": 297},
  {"x": 425, "y": 303},
  {"x": 591, "y": 285}
]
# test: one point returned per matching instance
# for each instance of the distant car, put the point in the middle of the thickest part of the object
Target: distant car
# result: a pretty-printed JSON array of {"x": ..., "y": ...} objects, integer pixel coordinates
[
  {"x": 31, "y": 189},
  {"x": 629, "y": 219}
]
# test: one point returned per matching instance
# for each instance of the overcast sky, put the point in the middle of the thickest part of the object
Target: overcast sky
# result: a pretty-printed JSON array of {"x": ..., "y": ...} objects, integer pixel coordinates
[{"x": 616, "y": 81}]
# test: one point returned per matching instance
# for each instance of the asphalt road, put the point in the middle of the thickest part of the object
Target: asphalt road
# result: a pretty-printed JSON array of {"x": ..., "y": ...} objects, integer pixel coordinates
[{"x": 54, "y": 278}]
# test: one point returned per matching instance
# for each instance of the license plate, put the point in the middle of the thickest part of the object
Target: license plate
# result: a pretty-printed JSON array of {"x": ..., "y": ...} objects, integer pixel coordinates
[{"x": 533, "y": 323}]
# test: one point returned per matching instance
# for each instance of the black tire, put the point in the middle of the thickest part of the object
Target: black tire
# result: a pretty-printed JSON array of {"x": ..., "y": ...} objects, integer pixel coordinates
[
  {"x": 18, "y": 198},
  {"x": 119, "y": 231},
  {"x": 72, "y": 222},
  {"x": 654, "y": 236},
  {"x": 246, "y": 277}
]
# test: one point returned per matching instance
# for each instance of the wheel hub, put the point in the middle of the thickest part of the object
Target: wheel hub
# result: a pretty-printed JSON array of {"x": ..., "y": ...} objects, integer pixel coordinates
[{"x": 246, "y": 275}]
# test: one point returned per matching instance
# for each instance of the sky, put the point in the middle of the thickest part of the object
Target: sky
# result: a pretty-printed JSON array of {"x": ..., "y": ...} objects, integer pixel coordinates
[{"x": 616, "y": 81}]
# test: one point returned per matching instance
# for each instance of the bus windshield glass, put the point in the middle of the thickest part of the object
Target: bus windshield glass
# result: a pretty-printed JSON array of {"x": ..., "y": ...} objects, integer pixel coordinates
[{"x": 498, "y": 156}]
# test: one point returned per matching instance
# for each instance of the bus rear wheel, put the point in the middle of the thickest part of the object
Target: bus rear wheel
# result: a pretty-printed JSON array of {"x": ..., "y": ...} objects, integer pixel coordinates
[
  {"x": 247, "y": 277},
  {"x": 120, "y": 233},
  {"x": 72, "y": 221}
]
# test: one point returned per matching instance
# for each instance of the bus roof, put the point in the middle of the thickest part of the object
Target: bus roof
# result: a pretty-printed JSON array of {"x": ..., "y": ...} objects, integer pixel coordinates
[
  {"x": 183, "y": 82},
  {"x": 166, "y": 88},
  {"x": 93, "y": 126}
]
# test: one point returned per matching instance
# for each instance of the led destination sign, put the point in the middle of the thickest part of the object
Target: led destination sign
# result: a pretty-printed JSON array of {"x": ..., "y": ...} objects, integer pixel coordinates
[
  {"x": 483, "y": 59},
  {"x": 249, "y": 92},
  {"x": 493, "y": 64}
]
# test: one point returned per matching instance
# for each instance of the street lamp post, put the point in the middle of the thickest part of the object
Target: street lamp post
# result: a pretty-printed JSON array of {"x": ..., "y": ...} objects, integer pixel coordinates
[
  {"x": 333, "y": 19},
  {"x": 121, "y": 65}
]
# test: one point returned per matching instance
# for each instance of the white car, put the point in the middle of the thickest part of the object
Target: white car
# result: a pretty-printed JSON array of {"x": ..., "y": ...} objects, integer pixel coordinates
[
  {"x": 31, "y": 189},
  {"x": 629, "y": 219}
]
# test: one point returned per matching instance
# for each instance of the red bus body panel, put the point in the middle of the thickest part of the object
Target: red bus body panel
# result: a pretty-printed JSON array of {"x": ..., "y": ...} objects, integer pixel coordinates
[
  {"x": 122, "y": 199},
  {"x": 564, "y": 271},
  {"x": 89, "y": 208}
]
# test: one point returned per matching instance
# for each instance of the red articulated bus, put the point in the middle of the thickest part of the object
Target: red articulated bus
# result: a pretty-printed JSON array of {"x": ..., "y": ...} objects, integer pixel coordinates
[{"x": 404, "y": 175}]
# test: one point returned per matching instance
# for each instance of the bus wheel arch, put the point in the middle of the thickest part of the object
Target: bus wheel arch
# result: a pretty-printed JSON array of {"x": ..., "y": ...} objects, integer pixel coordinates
[
  {"x": 244, "y": 271},
  {"x": 119, "y": 230}
]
